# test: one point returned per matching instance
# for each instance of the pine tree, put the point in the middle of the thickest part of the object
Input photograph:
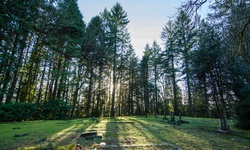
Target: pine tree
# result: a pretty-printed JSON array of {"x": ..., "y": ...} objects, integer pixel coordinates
[
  {"x": 186, "y": 39},
  {"x": 116, "y": 21},
  {"x": 155, "y": 60},
  {"x": 170, "y": 56},
  {"x": 145, "y": 76}
]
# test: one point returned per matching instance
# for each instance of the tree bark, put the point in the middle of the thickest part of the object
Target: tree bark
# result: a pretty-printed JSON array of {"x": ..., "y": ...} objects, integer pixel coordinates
[
  {"x": 41, "y": 83},
  {"x": 89, "y": 93},
  {"x": 114, "y": 78},
  {"x": 190, "y": 103},
  {"x": 176, "y": 110}
]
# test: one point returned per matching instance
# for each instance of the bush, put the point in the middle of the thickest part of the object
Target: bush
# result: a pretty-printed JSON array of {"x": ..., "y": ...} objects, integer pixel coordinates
[
  {"x": 17, "y": 111},
  {"x": 242, "y": 108},
  {"x": 55, "y": 109},
  {"x": 242, "y": 111}
]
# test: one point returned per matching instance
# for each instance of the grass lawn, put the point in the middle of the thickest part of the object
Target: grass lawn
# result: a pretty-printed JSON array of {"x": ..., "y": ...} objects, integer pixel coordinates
[{"x": 122, "y": 133}]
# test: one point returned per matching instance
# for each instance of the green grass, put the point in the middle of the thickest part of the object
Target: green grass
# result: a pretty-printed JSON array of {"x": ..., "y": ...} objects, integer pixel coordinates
[
  {"x": 40, "y": 134},
  {"x": 122, "y": 133}
]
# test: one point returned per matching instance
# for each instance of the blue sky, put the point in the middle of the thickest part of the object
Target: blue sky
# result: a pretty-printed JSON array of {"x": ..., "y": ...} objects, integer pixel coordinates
[{"x": 147, "y": 17}]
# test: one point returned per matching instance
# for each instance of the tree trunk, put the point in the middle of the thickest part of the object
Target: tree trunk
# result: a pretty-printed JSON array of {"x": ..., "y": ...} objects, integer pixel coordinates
[
  {"x": 146, "y": 90},
  {"x": 74, "y": 100},
  {"x": 225, "y": 125},
  {"x": 41, "y": 83},
  {"x": 57, "y": 75},
  {"x": 114, "y": 79},
  {"x": 131, "y": 95},
  {"x": 89, "y": 93},
  {"x": 206, "y": 97},
  {"x": 98, "y": 112},
  {"x": 49, "y": 81},
  {"x": 17, "y": 65},
  {"x": 8, "y": 72},
  {"x": 190, "y": 103},
  {"x": 155, "y": 89},
  {"x": 63, "y": 76},
  {"x": 176, "y": 110}
]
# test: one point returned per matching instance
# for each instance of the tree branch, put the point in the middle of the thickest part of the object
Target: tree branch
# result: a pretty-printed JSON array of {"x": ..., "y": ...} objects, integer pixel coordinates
[{"x": 191, "y": 6}]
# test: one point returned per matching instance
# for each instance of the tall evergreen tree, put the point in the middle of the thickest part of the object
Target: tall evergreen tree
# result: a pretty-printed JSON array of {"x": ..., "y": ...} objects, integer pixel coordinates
[
  {"x": 145, "y": 77},
  {"x": 170, "y": 56},
  {"x": 16, "y": 26},
  {"x": 117, "y": 22},
  {"x": 186, "y": 39},
  {"x": 155, "y": 60},
  {"x": 94, "y": 56}
]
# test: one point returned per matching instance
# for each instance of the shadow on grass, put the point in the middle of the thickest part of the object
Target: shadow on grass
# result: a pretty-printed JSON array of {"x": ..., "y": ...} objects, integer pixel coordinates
[
  {"x": 199, "y": 134},
  {"x": 71, "y": 135},
  {"x": 42, "y": 134},
  {"x": 203, "y": 134},
  {"x": 149, "y": 130},
  {"x": 112, "y": 129},
  {"x": 162, "y": 133},
  {"x": 118, "y": 133}
]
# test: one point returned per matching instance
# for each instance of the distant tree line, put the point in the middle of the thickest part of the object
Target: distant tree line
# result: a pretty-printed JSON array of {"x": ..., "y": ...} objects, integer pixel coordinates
[{"x": 55, "y": 66}]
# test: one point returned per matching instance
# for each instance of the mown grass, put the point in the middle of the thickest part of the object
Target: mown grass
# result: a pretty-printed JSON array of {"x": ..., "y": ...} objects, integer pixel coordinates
[
  {"x": 122, "y": 133},
  {"x": 40, "y": 134}
]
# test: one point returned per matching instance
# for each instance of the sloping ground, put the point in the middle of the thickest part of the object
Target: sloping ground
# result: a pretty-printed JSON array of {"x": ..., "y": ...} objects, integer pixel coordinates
[{"x": 121, "y": 133}]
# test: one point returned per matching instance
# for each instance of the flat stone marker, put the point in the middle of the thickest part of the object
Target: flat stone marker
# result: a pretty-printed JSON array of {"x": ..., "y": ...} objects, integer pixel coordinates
[{"x": 88, "y": 134}]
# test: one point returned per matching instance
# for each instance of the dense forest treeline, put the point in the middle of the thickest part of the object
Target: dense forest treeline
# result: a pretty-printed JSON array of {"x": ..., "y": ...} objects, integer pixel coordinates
[{"x": 53, "y": 65}]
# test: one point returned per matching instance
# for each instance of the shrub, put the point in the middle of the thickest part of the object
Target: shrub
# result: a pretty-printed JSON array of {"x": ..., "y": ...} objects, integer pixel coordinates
[
  {"x": 242, "y": 108},
  {"x": 55, "y": 109},
  {"x": 242, "y": 111},
  {"x": 17, "y": 111}
]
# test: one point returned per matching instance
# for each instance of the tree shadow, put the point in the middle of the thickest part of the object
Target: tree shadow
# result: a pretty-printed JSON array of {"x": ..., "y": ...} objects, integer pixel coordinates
[
  {"x": 70, "y": 133},
  {"x": 190, "y": 136},
  {"x": 149, "y": 131},
  {"x": 205, "y": 134},
  {"x": 130, "y": 134},
  {"x": 117, "y": 133},
  {"x": 159, "y": 134},
  {"x": 111, "y": 136}
]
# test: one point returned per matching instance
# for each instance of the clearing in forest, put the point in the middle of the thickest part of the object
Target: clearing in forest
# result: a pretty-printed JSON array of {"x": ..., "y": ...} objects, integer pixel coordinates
[{"x": 121, "y": 133}]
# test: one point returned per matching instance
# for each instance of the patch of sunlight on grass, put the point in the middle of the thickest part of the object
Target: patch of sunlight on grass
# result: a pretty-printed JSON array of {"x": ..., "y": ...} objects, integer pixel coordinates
[
  {"x": 132, "y": 132},
  {"x": 187, "y": 141},
  {"x": 58, "y": 137},
  {"x": 67, "y": 134},
  {"x": 157, "y": 132},
  {"x": 101, "y": 127}
]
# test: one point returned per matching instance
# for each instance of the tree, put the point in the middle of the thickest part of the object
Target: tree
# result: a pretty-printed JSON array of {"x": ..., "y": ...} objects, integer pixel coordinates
[
  {"x": 132, "y": 62},
  {"x": 235, "y": 34},
  {"x": 186, "y": 39},
  {"x": 145, "y": 76},
  {"x": 94, "y": 56},
  {"x": 154, "y": 62},
  {"x": 200, "y": 61},
  {"x": 170, "y": 55},
  {"x": 211, "y": 70},
  {"x": 116, "y": 24},
  {"x": 231, "y": 21},
  {"x": 16, "y": 27}
]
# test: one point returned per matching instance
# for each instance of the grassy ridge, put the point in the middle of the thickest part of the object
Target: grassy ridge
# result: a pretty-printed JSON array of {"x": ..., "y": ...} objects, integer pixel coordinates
[{"x": 123, "y": 132}]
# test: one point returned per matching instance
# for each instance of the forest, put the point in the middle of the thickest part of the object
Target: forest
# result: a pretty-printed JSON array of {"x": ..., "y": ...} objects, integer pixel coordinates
[{"x": 53, "y": 65}]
